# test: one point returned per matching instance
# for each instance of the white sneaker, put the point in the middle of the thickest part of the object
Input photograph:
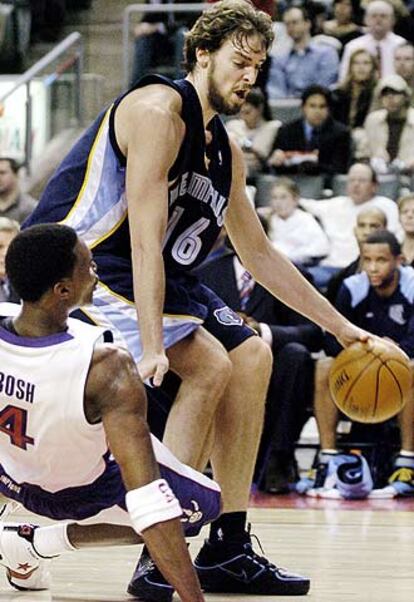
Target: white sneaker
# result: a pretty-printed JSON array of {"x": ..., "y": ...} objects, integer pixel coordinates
[
  {"x": 8, "y": 508},
  {"x": 26, "y": 570}
]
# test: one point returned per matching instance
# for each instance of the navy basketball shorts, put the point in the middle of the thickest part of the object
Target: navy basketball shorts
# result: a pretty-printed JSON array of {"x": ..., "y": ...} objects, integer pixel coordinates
[{"x": 188, "y": 305}]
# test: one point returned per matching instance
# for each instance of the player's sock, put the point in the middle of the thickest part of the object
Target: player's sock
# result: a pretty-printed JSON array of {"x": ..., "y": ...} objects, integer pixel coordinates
[
  {"x": 52, "y": 541},
  {"x": 227, "y": 526}
]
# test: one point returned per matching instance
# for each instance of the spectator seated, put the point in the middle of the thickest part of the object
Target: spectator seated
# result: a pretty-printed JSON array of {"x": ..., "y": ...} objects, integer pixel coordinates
[{"x": 370, "y": 300}]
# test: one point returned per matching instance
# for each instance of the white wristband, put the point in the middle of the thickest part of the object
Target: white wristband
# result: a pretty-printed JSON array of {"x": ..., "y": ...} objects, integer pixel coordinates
[{"x": 151, "y": 504}]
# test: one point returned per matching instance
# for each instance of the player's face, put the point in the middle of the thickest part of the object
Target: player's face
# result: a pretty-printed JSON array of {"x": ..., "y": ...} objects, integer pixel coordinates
[
  {"x": 380, "y": 265},
  {"x": 232, "y": 72},
  {"x": 407, "y": 217},
  {"x": 283, "y": 202},
  {"x": 366, "y": 224},
  {"x": 84, "y": 275}
]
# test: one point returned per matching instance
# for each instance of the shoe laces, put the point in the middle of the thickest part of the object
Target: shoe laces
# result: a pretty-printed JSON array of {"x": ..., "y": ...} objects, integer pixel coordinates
[
  {"x": 403, "y": 474},
  {"x": 250, "y": 551}
]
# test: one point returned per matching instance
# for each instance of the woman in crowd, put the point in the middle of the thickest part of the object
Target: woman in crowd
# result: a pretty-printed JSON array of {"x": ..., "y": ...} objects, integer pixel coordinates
[
  {"x": 254, "y": 132},
  {"x": 354, "y": 98}
]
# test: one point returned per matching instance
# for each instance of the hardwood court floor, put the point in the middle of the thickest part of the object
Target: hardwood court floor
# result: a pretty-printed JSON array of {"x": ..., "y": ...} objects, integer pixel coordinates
[{"x": 364, "y": 555}]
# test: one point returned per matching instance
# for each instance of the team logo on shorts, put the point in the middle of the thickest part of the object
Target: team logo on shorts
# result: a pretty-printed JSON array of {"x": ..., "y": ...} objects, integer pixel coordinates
[
  {"x": 192, "y": 515},
  {"x": 227, "y": 316}
]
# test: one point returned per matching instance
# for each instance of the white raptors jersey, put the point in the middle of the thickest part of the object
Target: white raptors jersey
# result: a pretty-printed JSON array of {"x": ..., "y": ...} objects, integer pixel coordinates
[{"x": 45, "y": 439}]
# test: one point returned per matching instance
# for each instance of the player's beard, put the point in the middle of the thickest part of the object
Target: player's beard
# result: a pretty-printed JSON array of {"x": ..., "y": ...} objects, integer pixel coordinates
[{"x": 215, "y": 98}]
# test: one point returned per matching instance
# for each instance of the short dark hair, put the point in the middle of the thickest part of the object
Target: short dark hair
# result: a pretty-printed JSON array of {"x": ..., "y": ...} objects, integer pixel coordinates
[
  {"x": 314, "y": 90},
  {"x": 39, "y": 257},
  {"x": 14, "y": 166},
  {"x": 256, "y": 98},
  {"x": 384, "y": 237},
  {"x": 227, "y": 18}
]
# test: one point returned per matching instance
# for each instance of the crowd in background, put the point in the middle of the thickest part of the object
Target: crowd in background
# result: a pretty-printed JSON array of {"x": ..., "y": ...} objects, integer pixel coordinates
[
  {"x": 27, "y": 22},
  {"x": 328, "y": 140}
]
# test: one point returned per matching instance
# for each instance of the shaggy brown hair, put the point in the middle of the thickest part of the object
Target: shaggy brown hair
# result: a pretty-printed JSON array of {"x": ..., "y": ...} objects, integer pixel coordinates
[{"x": 238, "y": 18}]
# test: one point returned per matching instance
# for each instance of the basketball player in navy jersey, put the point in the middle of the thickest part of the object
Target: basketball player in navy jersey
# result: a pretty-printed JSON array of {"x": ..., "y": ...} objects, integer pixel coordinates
[
  {"x": 148, "y": 187},
  {"x": 66, "y": 399}
]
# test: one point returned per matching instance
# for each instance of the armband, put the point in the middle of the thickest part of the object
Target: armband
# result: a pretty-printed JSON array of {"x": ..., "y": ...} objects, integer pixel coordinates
[{"x": 151, "y": 504}]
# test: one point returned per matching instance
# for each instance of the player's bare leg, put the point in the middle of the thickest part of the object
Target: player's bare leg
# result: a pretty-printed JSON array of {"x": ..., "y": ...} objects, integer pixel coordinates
[
  {"x": 239, "y": 422},
  {"x": 205, "y": 369},
  {"x": 236, "y": 433}
]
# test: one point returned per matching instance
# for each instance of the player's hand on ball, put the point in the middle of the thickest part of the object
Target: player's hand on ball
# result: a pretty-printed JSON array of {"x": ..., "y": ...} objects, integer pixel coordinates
[
  {"x": 371, "y": 382},
  {"x": 348, "y": 333},
  {"x": 153, "y": 367}
]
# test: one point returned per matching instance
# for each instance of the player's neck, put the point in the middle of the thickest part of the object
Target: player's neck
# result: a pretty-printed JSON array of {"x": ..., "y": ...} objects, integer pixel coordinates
[
  {"x": 201, "y": 87},
  {"x": 39, "y": 322}
]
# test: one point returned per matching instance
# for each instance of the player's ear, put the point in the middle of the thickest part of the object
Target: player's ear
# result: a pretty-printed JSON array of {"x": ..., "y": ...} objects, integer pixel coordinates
[
  {"x": 203, "y": 57},
  {"x": 62, "y": 288}
]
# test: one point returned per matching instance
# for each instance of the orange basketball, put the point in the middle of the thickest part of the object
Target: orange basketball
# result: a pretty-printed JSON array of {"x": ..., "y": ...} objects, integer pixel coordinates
[{"x": 370, "y": 384}]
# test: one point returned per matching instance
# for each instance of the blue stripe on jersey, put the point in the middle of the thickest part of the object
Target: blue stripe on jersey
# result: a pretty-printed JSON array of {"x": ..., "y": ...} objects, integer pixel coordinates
[
  {"x": 407, "y": 282},
  {"x": 86, "y": 192},
  {"x": 63, "y": 188},
  {"x": 358, "y": 286}
]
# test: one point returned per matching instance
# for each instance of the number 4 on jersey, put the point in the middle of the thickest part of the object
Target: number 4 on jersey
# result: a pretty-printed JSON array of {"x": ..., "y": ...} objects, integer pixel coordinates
[{"x": 13, "y": 423}]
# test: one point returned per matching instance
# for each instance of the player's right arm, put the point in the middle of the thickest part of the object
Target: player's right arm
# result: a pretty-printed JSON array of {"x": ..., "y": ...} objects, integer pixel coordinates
[
  {"x": 115, "y": 395},
  {"x": 149, "y": 131}
]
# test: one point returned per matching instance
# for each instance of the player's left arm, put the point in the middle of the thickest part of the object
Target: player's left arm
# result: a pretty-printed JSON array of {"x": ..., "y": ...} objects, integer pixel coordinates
[
  {"x": 114, "y": 394},
  {"x": 271, "y": 268}
]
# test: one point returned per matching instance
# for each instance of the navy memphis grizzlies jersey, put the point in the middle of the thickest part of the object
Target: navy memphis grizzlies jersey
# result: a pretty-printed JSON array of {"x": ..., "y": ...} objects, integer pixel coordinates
[{"x": 87, "y": 191}]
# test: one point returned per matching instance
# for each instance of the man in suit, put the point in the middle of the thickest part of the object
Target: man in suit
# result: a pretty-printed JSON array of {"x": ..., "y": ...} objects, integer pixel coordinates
[
  {"x": 290, "y": 392},
  {"x": 315, "y": 143}
]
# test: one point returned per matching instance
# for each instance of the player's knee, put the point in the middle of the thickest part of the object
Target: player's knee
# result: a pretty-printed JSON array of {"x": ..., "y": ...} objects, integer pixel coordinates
[
  {"x": 222, "y": 368},
  {"x": 213, "y": 369},
  {"x": 260, "y": 357}
]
